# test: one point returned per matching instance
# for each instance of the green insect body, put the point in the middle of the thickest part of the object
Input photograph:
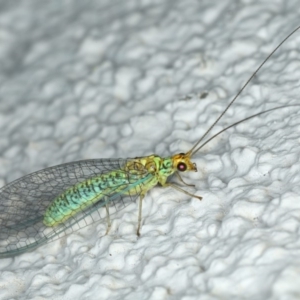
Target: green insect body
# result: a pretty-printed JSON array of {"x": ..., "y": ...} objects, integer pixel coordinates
[{"x": 137, "y": 176}]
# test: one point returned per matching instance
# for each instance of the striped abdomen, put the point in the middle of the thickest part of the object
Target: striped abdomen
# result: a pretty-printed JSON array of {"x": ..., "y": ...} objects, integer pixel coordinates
[{"x": 86, "y": 193}]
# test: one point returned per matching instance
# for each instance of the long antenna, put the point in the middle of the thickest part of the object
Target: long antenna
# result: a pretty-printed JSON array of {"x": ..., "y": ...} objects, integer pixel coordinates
[
  {"x": 243, "y": 120},
  {"x": 194, "y": 148}
]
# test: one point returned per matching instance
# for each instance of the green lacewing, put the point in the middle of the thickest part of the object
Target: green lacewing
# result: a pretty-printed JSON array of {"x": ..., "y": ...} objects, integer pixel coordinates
[{"x": 53, "y": 202}]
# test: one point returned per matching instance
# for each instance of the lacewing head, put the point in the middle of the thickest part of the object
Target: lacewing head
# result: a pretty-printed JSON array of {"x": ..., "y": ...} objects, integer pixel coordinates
[{"x": 182, "y": 162}]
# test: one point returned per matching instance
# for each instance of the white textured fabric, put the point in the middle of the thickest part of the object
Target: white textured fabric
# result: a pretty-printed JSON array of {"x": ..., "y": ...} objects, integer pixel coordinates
[{"x": 98, "y": 79}]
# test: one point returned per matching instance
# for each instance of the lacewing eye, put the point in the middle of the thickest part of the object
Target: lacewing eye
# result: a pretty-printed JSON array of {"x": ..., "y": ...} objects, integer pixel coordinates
[{"x": 181, "y": 167}]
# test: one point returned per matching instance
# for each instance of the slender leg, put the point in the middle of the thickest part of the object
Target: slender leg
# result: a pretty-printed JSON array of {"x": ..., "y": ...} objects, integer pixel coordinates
[
  {"x": 180, "y": 178},
  {"x": 181, "y": 190},
  {"x": 140, "y": 214},
  {"x": 108, "y": 219}
]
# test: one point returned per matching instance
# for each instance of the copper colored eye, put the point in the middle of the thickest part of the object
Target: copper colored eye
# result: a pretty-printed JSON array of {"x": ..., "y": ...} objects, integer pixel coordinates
[{"x": 181, "y": 167}]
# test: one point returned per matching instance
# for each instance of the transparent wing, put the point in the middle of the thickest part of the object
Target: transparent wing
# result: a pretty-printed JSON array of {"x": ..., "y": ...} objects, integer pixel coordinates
[{"x": 24, "y": 201}]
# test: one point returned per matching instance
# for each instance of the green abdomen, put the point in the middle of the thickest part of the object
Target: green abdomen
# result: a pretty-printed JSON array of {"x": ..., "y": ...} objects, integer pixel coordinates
[{"x": 83, "y": 195}]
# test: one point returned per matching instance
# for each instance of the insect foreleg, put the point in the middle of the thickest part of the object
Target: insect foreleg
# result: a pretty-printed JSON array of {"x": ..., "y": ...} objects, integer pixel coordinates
[
  {"x": 174, "y": 186},
  {"x": 180, "y": 178}
]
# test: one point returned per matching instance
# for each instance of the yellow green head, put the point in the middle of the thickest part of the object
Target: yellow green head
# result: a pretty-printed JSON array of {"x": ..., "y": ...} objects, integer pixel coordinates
[{"x": 182, "y": 162}]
